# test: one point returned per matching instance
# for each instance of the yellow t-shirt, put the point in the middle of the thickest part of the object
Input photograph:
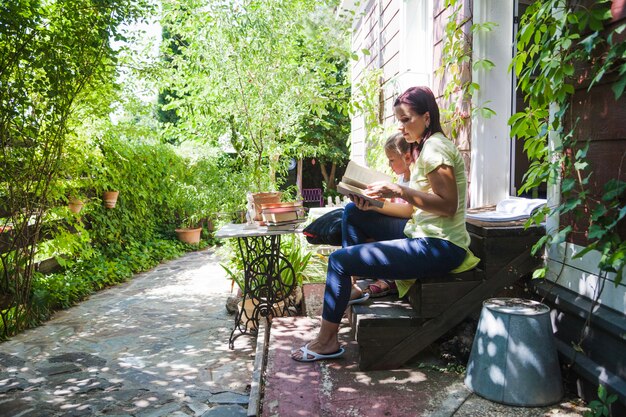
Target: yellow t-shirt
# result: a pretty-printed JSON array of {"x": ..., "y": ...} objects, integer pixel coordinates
[{"x": 437, "y": 151}]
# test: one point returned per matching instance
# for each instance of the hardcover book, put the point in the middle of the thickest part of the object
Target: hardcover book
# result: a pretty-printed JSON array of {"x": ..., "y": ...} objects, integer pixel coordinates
[
  {"x": 285, "y": 216},
  {"x": 356, "y": 179}
]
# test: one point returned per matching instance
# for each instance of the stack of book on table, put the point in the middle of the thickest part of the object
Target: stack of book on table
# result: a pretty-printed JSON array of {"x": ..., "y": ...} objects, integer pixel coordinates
[{"x": 283, "y": 216}]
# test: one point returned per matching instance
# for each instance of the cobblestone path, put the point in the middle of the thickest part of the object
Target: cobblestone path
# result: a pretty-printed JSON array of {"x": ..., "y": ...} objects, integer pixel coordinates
[{"x": 154, "y": 346}]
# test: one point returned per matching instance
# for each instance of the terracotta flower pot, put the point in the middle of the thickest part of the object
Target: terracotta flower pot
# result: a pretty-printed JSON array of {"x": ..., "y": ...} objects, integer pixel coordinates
[
  {"x": 191, "y": 236},
  {"x": 251, "y": 315},
  {"x": 75, "y": 205},
  {"x": 110, "y": 198}
]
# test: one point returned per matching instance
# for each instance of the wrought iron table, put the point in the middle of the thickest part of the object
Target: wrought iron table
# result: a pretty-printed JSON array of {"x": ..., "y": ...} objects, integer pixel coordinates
[{"x": 269, "y": 277}]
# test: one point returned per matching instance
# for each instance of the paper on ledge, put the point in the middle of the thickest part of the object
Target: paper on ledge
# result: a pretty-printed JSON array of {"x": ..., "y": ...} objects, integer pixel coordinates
[{"x": 510, "y": 209}]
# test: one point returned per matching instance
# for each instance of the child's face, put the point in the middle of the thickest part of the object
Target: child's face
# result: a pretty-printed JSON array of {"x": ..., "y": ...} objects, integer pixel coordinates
[{"x": 397, "y": 162}]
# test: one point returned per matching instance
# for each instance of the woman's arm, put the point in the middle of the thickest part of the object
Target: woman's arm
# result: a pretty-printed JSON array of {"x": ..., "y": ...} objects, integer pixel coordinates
[{"x": 443, "y": 200}]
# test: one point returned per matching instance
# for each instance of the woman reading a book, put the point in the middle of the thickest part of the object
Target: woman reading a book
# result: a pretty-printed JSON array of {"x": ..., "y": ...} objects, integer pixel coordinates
[{"x": 433, "y": 241}]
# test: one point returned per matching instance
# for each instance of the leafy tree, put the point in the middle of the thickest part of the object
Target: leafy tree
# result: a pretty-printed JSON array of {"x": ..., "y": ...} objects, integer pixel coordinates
[
  {"x": 556, "y": 38},
  {"x": 51, "y": 54},
  {"x": 251, "y": 71}
]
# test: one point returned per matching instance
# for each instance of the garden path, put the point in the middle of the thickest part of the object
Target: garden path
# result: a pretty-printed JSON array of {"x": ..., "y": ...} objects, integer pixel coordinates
[{"x": 154, "y": 346}]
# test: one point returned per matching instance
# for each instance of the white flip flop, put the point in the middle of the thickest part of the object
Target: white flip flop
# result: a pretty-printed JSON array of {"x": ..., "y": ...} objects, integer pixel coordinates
[{"x": 308, "y": 356}]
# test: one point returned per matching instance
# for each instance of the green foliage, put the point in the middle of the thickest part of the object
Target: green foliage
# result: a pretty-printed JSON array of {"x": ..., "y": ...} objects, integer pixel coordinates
[
  {"x": 456, "y": 56},
  {"x": 248, "y": 73},
  {"x": 366, "y": 102},
  {"x": 600, "y": 407},
  {"x": 291, "y": 248},
  {"x": 554, "y": 38},
  {"x": 51, "y": 54}
]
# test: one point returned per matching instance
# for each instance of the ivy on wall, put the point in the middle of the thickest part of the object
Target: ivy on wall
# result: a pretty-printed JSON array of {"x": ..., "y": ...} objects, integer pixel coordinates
[
  {"x": 456, "y": 66},
  {"x": 555, "y": 38}
]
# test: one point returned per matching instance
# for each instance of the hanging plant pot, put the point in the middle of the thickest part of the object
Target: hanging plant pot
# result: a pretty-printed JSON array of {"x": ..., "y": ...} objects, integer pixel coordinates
[
  {"x": 75, "y": 205},
  {"x": 110, "y": 198},
  {"x": 191, "y": 236}
]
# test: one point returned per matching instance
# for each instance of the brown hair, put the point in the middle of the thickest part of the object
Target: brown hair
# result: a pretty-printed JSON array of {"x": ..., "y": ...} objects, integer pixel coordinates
[
  {"x": 421, "y": 100},
  {"x": 396, "y": 143}
]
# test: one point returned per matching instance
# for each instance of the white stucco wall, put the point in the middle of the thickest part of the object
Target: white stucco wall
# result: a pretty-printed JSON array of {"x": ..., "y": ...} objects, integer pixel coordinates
[{"x": 491, "y": 145}]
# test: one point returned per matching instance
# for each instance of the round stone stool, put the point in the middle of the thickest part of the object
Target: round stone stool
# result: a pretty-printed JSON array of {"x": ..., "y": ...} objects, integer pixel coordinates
[{"x": 514, "y": 359}]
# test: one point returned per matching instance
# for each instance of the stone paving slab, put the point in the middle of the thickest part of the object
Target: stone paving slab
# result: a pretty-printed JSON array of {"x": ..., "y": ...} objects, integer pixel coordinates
[{"x": 154, "y": 346}]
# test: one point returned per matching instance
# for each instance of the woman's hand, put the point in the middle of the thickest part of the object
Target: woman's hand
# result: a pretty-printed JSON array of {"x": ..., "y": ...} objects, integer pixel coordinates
[
  {"x": 382, "y": 189},
  {"x": 361, "y": 203}
]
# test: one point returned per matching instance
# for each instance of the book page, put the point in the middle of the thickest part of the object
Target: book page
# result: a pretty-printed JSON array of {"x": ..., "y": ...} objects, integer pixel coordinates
[
  {"x": 347, "y": 189},
  {"x": 354, "y": 183},
  {"x": 356, "y": 179},
  {"x": 359, "y": 174}
]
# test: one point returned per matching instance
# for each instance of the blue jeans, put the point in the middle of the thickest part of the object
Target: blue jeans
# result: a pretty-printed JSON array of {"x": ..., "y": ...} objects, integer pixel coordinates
[{"x": 391, "y": 256}]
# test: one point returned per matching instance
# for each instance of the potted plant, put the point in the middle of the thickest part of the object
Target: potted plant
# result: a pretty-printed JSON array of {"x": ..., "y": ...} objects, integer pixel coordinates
[
  {"x": 190, "y": 207},
  {"x": 75, "y": 204},
  {"x": 106, "y": 180}
]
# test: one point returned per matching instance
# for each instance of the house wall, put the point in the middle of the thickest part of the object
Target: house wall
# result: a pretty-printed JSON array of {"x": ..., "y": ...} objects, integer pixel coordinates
[
  {"x": 602, "y": 122},
  {"x": 490, "y": 138},
  {"x": 404, "y": 56}
]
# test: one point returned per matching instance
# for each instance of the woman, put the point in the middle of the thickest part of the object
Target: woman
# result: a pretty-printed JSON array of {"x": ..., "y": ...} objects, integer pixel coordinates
[{"x": 433, "y": 241}]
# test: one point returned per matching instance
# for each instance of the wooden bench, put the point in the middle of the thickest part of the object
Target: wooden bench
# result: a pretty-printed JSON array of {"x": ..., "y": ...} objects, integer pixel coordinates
[{"x": 390, "y": 332}]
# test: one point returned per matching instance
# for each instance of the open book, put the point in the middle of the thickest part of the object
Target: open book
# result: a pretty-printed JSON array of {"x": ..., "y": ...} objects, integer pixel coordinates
[
  {"x": 510, "y": 209},
  {"x": 356, "y": 179}
]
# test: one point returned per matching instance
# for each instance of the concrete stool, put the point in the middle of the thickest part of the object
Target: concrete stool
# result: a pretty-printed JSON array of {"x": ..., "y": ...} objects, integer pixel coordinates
[{"x": 514, "y": 359}]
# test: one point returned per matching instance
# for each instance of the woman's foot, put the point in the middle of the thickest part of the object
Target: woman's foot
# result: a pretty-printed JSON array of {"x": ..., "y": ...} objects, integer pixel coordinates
[
  {"x": 316, "y": 350},
  {"x": 381, "y": 288}
]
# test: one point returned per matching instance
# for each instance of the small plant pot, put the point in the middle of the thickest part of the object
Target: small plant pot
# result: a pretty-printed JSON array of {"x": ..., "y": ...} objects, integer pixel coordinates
[
  {"x": 75, "y": 205},
  {"x": 251, "y": 314},
  {"x": 191, "y": 236},
  {"x": 110, "y": 198}
]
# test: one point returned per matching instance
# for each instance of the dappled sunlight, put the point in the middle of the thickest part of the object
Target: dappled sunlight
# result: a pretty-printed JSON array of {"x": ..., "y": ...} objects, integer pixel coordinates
[
  {"x": 147, "y": 343},
  {"x": 513, "y": 358},
  {"x": 397, "y": 377}
]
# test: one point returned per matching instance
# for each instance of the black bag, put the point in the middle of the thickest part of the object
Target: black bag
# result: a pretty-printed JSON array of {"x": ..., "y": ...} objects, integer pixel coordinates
[{"x": 325, "y": 230}]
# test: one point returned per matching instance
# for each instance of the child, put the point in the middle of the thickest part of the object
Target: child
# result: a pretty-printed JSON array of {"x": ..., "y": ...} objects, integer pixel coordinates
[
  {"x": 400, "y": 158},
  {"x": 398, "y": 153}
]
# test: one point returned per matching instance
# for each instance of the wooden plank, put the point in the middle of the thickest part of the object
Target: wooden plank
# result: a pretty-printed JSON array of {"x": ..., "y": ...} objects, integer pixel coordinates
[
  {"x": 387, "y": 336},
  {"x": 434, "y": 328},
  {"x": 435, "y": 298}
]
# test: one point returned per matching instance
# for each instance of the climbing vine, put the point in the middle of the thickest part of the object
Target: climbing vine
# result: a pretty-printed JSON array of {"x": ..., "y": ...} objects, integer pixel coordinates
[
  {"x": 456, "y": 65},
  {"x": 555, "y": 38},
  {"x": 366, "y": 101}
]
